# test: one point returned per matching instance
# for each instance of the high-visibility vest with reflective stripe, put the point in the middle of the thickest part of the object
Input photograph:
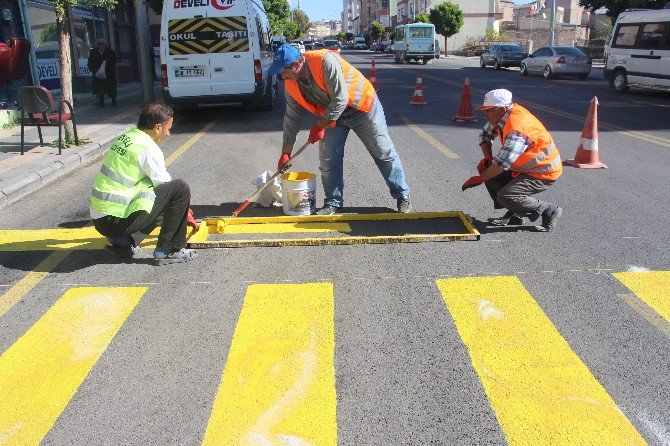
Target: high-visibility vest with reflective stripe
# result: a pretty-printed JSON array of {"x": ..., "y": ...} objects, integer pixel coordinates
[
  {"x": 121, "y": 188},
  {"x": 541, "y": 159},
  {"x": 360, "y": 91}
]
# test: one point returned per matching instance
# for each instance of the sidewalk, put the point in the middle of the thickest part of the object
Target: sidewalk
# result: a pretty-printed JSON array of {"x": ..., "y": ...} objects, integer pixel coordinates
[{"x": 21, "y": 175}]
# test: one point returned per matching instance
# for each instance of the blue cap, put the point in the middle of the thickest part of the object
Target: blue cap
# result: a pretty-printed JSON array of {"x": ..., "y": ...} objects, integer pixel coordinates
[{"x": 284, "y": 56}]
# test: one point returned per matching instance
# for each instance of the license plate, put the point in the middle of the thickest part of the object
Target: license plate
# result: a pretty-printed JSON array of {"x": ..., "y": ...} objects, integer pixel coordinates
[{"x": 189, "y": 72}]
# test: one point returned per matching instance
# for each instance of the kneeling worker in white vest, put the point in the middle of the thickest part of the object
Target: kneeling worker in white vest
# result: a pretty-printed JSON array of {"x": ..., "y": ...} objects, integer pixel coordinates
[{"x": 134, "y": 193}]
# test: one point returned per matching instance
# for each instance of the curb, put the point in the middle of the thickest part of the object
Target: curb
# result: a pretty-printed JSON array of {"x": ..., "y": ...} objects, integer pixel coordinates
[{"x": 57, "y": 169}]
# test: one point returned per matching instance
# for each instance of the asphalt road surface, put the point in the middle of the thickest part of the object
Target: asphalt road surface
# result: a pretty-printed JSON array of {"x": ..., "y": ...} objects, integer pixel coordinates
[{"x": 519, "y": 338}]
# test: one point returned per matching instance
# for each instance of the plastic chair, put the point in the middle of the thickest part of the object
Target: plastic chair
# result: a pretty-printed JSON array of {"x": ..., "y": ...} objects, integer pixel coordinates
[{"x": 38, "y": 104}]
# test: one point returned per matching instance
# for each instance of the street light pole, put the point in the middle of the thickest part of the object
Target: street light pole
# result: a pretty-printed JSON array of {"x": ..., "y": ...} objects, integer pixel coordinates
[
  {"x": 143, "y": 44},
  {"x": 551, "y": 25}
]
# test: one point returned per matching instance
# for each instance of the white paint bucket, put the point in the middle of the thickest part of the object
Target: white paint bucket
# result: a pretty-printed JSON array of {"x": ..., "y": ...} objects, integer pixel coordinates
[{"x": 298, "y": 193}]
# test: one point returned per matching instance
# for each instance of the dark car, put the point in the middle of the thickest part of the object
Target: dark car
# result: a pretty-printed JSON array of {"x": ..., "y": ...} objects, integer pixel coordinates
[
  {"x": 503, "y": 55},
  {"x": 309, "y": 45},
  {"x": 319, "y": 46}
]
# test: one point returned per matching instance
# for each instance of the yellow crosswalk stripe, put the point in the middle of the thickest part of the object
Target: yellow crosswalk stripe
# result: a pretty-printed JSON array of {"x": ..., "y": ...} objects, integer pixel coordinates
[
  {"x": 540, "y": 390},
  {"x": 652, "y": 287},
  {"x": 278, "y": 385},
  {"x": 41, "y": 372}
]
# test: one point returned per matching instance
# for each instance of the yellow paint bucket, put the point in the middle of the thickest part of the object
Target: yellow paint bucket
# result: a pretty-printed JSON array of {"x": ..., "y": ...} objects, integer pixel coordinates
[{"x": 298, "y": 193}]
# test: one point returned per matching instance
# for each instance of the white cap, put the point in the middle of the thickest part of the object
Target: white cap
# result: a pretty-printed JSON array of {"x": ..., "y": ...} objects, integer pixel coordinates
[{"x": 496, "y": 98}]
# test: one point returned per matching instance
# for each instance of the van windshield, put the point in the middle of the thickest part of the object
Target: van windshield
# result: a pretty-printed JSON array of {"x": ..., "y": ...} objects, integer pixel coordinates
[{"x": 420, "y": 32}]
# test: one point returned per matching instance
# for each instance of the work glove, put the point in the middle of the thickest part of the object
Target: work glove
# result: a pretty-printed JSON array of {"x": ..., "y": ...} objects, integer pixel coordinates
[
  {"x": 283, "y": 159},
  {"x": 484, "y": 164},
  {"x": 190, "y": 220},
  {"x": 316, "y": 134},
  {"x": 472, "y": 182}
]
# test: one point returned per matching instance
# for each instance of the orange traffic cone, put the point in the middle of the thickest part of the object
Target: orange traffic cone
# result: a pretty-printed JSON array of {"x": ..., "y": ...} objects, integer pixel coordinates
[
  {"x": 418, "y": 91},
  {"x": 465, "y": 109},
  {"x": 587, "y": 152},
  {"x": 373, "y": 76}
]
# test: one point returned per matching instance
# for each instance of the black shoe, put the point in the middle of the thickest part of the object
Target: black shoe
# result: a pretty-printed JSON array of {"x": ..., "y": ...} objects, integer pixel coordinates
[
  {"x": 124, "y": 251},
  {"x": 404, "y": 206},
  {"x": 509, "y": 219},
  {"x": 549, "y": 219},
  {"x": 327, "y": 209}
]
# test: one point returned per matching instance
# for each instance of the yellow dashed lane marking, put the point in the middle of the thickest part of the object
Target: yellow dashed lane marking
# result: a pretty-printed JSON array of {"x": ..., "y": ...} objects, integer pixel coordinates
[
  {"x": 278, "y": 386},
  {"x": 651, "y": 287},
  {"x": 540, "y": 390},
  {"x": 41, "y": 372},
  {"x": 430, "y": 139}
]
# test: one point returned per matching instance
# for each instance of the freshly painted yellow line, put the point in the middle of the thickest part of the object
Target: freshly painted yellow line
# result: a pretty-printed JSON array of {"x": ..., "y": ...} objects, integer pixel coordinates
[
  {"x": 540, "y": 390},
  {"x": 28, "y": 282},
  {"x": 187, "y": 145},
  {"x": 278, "y": 386},
  {"x": 335, "y": 218},
  {"x": 652, "y": 287},
  {"x": 41, "y": 372},
  {"x": 647, "y": 312},
  {"x": 58, "y": 239},
  {"x": 288, "y": 228},
  {"x": 428, "y": 138}
]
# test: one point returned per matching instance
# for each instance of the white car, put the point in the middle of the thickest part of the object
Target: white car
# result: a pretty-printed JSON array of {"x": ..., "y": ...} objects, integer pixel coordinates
[{"x": 298, "y": 44}]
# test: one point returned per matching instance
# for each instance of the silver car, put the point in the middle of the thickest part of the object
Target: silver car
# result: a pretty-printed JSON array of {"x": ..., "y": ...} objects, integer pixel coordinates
[{"x": 551, "y": 61}]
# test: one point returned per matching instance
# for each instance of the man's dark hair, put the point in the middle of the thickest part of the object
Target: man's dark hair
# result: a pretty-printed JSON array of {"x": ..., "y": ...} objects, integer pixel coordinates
[{"x": 154, "y": 114}]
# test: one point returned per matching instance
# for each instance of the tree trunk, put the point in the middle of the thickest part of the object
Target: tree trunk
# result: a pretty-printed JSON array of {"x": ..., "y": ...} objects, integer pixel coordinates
[{"x": 63, "y": 29}]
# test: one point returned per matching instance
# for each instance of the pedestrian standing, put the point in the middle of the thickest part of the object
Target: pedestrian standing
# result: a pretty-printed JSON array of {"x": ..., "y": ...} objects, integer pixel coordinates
[
  {"x": 329, "y": 87},
  {"x": 527, "y": 164},
  {"x": 105, "y": 81},
  {"x": 134, "y": 193}
]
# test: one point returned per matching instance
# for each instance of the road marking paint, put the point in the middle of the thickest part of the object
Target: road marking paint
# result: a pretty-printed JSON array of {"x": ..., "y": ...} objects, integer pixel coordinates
[
  {"x": 41, "y": 372},
  {"x": 647, "y": 312},
  {"x": 540, "y": 390},
  {"x": 278, "y": 386},
  {"x": 287, "y": 228},
  {"x": 188, "y": 144},
  {"x": 95, "y": 127},
  {"x": 432, "y": 141},
  {"x": 651, "y": 287},
  {"x": 29, "y": 281}
]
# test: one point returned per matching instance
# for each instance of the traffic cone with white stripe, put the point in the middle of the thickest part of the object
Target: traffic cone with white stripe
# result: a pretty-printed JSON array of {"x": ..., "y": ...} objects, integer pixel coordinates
[
  {"x": 373, "y": 76},
  {"x": 587, "y": 152},
  {"x": 418, "y": 98},
  {"x": 465, "y": 109}
]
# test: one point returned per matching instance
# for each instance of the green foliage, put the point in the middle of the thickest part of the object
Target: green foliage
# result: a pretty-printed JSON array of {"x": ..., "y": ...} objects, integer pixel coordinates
[
  {"x": 422, "y": 18},
  {"x": 447, "y": 18},
  {"x": 349, "y": 36},
  {"x": 49, "y": 33},
  {"x": 615, "y": 7},
  {"x": 300, "y": 19},
  {"x": 492, "y": 35},
  {"x": 278, "y": 12},
  {"x": 290, "y": 30},
  {"x": 60, "y": 5},
  {"x": 68, "y": 141},
  {"x": 377, "y": 31}
]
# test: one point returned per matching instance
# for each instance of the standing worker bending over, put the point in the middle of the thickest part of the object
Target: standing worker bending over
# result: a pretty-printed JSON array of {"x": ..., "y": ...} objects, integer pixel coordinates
[
  {"x": 329, "y": 87},
  {"x": 134, "y": 193},
  {"x": 527, "y": 164}
]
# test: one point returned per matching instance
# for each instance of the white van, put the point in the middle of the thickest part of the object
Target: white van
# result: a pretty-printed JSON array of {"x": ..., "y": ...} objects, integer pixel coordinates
[
  {"x": 414, "y": 41},
  {"x": 216, "y": 52},
  {"x": 638, "y": 52}
]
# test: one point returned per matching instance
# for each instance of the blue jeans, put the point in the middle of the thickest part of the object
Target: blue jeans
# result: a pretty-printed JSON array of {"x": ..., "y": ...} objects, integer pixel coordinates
[{"x": 371, "y": 129}]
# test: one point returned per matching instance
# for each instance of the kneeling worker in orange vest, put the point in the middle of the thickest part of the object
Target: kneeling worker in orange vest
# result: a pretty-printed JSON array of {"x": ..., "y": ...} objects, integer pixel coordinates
[
  {"x": 527, "y": 164},
  {"x": 329, "y": 87}
]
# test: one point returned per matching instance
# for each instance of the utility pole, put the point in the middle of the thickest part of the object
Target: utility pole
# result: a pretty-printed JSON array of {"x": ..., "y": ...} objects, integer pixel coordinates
[
  {"x": 143, "y": 45},
  {"x": 553, "y": 20}
]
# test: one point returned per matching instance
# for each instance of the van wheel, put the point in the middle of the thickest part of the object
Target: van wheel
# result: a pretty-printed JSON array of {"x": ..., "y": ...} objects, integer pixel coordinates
[
  {"x": 403, "y": 59},
  {"x": 524, "y": 70},
  {"x": 425, "y": 60},
  {"x": 547, "y": 72},
  {"x": 268, "y": 100},
  {"x": 619, "y": 81},
  {"x": 396, "y": 59}
]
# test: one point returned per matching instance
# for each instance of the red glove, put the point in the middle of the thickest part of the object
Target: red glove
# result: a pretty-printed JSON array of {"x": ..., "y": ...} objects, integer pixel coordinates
[
  {"x": 484, "y": 164},
  {"x": 283, "y": 159},
  {"x": 316, "y": 134},
  {"x": 472, "y": 182},
  {"x": 190, "y": 219}
]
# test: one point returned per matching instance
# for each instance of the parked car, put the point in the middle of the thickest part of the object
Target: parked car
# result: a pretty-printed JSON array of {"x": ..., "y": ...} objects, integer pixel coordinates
[
  {"x": 638, "y": 54},
  {"x": 415, "y": 41},
  {"x": 309, "y": 45},
  {"x": 503, "y": 55},
  {"x": 360, "y": 43},
  {"x": 553, "y": 61},
  {"x": 332, "y": 44},
  {"x": 319, "y": 45},
  {"x": 298, "y": 44}
]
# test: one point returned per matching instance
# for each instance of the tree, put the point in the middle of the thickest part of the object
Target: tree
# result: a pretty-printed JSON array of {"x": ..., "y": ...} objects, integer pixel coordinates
[
  {"x": 301, "y": 19},
  {"x": 491, "y": 35},
  {"x": 349, "y": 36},
  {"x": 377, "y": 31},
  {"x": 49, "y": 33},
  {"x": 615, "y": 7},
  {"x": 291, "y": 30},
  {"x": 422, "y": 18},
  {"x": 278, "y": 12},
  {"x": 447, "y": 18},
  {"x": 62, "y": 8},
  {"x": 156, "y": 6}
]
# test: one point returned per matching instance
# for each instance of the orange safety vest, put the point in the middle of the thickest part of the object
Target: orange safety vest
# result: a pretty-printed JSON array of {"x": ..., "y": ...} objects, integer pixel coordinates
[
  {"x": 359, "y": 89},
  {"x": 541, "y": 159}
]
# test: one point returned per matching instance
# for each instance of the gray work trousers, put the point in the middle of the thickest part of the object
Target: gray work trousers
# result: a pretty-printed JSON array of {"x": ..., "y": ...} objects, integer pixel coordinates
[{"x": 516, "y": 194}]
